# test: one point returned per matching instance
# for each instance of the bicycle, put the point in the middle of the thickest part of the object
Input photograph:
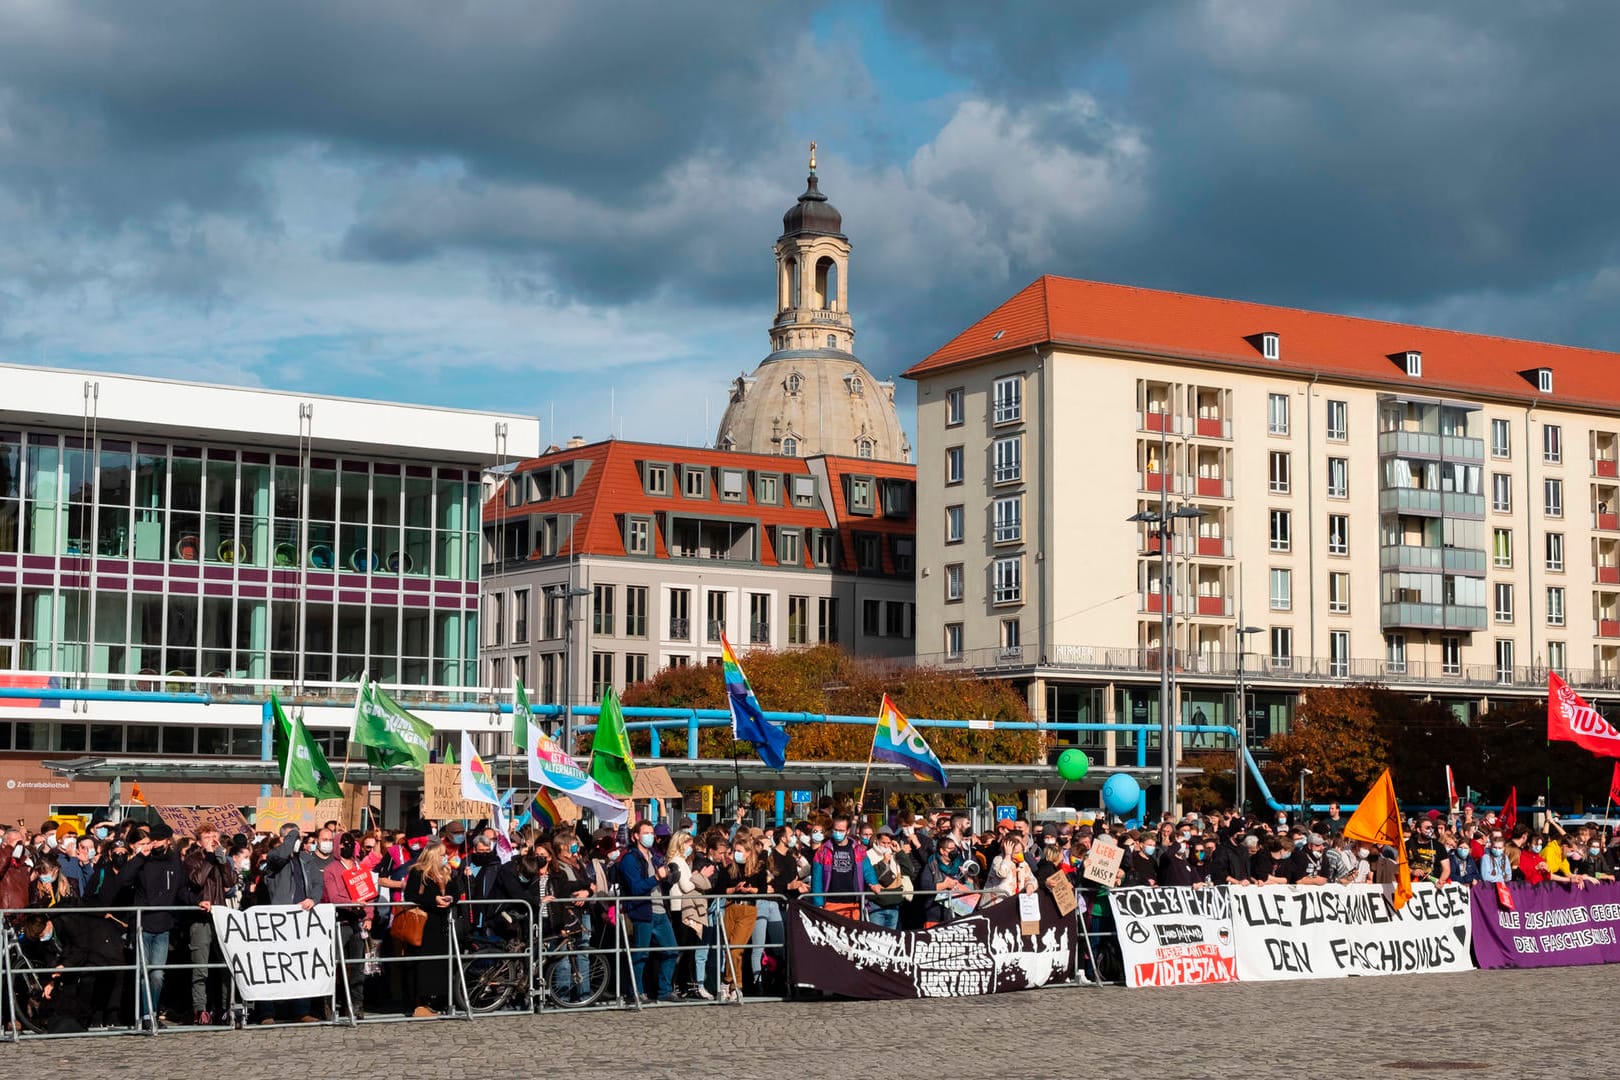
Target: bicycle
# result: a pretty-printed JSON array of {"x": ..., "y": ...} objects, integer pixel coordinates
[
  {"x": 498, "y": 982},
  {"x": 28, "y": 989}
]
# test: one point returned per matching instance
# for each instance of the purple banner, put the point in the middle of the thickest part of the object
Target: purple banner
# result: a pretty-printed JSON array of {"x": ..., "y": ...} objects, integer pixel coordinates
[{"x": 1550, "y": 925}]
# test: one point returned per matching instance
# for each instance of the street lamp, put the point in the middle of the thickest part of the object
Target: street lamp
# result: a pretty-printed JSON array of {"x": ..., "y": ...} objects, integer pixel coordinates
[
  {"x": 1242, "y": 725},
  {"x": 1303, "y": 816},
  {"x": 1161, "y": 522}
]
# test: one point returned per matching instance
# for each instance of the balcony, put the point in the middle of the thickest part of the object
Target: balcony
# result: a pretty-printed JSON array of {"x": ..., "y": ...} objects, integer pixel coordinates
[
  {"x": 1424, "y": 444},
  {"x": 1154, "y": 602},
  {"x": 816, "y": 315},
  {"x": 1433, "y": 616},
  {"x": 1426, "y": 502},
  {"x": 1216, "y": 546},
  {"x": 1157, "y": 421},
  {"x": 1415, "y": 557},
  {"x": 1607, "y": 628},
  {"x": 1609, "y": 522},
  {"x": 1155, "y": 481},
  {"x": 1218, "y": 606},
  {"x": 1605, "y": 467},
  {"x": 1213, "y": 427},
  {"x": 1214, "y": 487},
  {"x": 1607, "y": 575}
]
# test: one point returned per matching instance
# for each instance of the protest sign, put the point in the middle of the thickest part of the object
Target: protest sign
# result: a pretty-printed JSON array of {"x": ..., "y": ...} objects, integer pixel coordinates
[
  {"x": 187, "y": 820},
  {"x": 1174, "y": 936},
  {"x": 1102, "y": 862},
  {"x": 982, "y": 953},
  {"x": 442, "y": 799},
  {"x": 1029, "y": 914},
  {"x": 1549, "y": 926},
  {"x": 274, "y": 811},
  {"x": 1329, "y": 931},
  {"x": 277, "y": 951},
  {"x": 1062, "y": 890}
]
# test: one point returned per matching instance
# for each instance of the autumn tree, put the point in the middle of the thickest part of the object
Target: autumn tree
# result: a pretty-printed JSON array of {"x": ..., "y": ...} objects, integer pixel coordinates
[
  {"x": 1337, "y": 733},
  {"x": 825, "y": 680}
]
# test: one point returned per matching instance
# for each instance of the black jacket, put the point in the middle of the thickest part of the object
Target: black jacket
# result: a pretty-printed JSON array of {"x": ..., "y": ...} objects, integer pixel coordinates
[
  {"x": 154, "y": 881},
  {"x": 1229, "y": 861}
]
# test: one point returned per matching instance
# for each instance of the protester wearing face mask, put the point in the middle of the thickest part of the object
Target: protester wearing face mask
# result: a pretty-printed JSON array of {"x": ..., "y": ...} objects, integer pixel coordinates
[
  {"x": 1175, "y": 862},
  {"x": 16, "y": 869},
  {"x": 641, "y": 878},
  {"x": 212, "y": 877},
  {"x": 154, "y": 878},
  {"x": 292, "y": 875},
  {"x": 51, "y": 887},
  {"x": 432, "y": 885},
  {"x": 840, "y": 867},
  {"x": 1010, "y": 872},
  {"x": 883, "y": 908},
  {"x": 748, "y": 876},
  {"x": 348, "y": 884},
  {"x": 1494, "y": 867}
]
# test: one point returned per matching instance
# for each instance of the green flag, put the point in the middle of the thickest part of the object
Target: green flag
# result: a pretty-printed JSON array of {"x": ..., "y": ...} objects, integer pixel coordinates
[
  {"x": 390, "y": 734},
  {"x": 449, "y": 756},
  {"x": 303, "y": 766},
  {"x": 520, "y": 715},
  {"x": 611, "y": 763}
]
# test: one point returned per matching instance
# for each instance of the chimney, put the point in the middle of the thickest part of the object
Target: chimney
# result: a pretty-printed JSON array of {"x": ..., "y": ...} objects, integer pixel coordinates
[{"x": 576, "y": 441}]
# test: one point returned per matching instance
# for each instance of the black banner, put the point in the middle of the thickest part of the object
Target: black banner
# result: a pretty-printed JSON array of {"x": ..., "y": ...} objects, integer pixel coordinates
[{"x": 982, "y": 953}]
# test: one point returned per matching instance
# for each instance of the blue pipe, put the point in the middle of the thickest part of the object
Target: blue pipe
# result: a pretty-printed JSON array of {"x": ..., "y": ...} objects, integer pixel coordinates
[
  {"x": 52, "y": 694},
  {"x": 267, "y": 737}
]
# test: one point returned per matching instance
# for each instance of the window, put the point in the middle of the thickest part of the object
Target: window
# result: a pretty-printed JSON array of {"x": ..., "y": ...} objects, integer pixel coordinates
[
  {"x": 1504, "y": 602},
  {"x": 680, "y": 614},
  {"x": 1504, "y": 659},
  {"x": 733, "y": 484},
  {"x": 953, "y": 581},
  {"x": 1338, "y": 593},
  {"x": 496, "y": 618},
  {"x": 798, "y": 620},
  {"x": 768, "y": 489},
  {"x": 1338, "y": 479},
  {"x": 1282, "y": 646},
  {"x": 635, "y": 611},
  {"x": 790, "y": 448},
  {"x": 871, "y": 618},
  {"x": 894, "y": 619},
  {"x": 1008, "y": 581},
  {"x": 1502, "y": 493},
  {"x": 602, "y": 609},
  {"x": 868, "y": 553},
  {"x": 1555, "y": 605},
  {"x": 1009, "y": 459},
  {"x": 1282, "y": 590},
  {"x": 1009, "y": 519},
  {"x": 1555, "y": 551},
  {"x": 954, "y": 524},
  {"x": 1012, "y": 637},
  {"x": 1552, "y": 444},
  {"x": 656, "y": 479},
  {"x": 832, "y": 341},
  {"x": 638, "y": 536},
  {"x": 1500, "y": 439},
  {"x": 1338, "y": 542},
  {"x": 635, "y": 668},
  {"x": 1414, "y": 364},
  {"x": 789, "y": 547},
  {"x": 953, "y": 406},
  {"x": 827, "y": 620},
  {"x": 804, "y": 491},
  {"x": 1552, "y": 493},
  {"x": 695, "y": 482},
  {"x": 715, "y": 615},
  {"x": 1009, "y": 399},
  {"x": 1338, "y": 421},
  {"x": 520, "y": 616},
  {"x": 1544, "y": 380},
  {"x": 1277, "y": 414},
  {"x": 1282, "y": 530},
  {"x": 1451, "y": 656},
  {"x": 824, "y": 552},
  {"x": 601, "y": 674},
  {"x": 1502, "y": 548},
  {"x": 759, "y": 618},
  {"x": 902, "y": 548},
  {"x": 1339, "y": 653},
  {"x": 1270, "y": 346},
  {"x": 1558, "y": 656},
  {"x": 1279, "y": 472},
  {"x": 1395, "y": 653},
  {"x": 955, "y": 467},
  {"x": 953, "y": 641},
  {"x": 860, "y": 495}
]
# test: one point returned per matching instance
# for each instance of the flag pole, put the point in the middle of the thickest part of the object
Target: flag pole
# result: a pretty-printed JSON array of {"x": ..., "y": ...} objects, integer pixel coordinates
[{"x": 860, "y": 805}]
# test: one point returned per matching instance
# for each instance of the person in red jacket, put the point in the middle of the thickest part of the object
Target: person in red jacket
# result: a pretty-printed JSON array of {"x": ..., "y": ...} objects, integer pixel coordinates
[{"x": 349, "y": 883}]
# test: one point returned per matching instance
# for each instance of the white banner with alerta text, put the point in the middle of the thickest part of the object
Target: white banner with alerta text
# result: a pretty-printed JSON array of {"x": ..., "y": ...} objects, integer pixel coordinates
[
  {"x": 277, "y": 951},
  {"x": 1331, "y": 931},
  {"x": 1174, "y": 936}
]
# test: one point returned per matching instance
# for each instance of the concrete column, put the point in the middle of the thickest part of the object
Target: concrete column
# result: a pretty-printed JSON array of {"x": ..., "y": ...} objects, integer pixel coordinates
[{"x": 1110, "y": 716}]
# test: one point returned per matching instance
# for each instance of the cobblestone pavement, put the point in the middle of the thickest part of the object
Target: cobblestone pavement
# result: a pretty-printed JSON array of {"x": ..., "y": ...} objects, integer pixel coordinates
[{"x": 1391, "y": 1027}]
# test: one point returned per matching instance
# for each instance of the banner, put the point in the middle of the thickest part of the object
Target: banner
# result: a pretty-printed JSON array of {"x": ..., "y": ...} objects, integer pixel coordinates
[
  {"x": 1330, "y": 931},
  {"x": 442, "y": 799},
  {"x": 186, "y": 820},
  {"x": 1550, "y": 926},
  {"x": 1174, "y": 936},
  {"x": 271, "y": 812},
  {"x": 982, "y": 953},
  {"x": 277, "y": 951}
]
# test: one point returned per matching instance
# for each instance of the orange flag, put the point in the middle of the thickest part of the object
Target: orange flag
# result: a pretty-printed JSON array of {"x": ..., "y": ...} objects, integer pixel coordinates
[
  {"x": 1378, "y": 821},
  {"x": 135, "y": 794}
]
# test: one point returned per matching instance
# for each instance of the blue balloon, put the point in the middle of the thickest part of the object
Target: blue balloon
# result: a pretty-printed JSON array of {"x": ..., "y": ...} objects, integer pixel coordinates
[{"x": 1120, "y": 793}]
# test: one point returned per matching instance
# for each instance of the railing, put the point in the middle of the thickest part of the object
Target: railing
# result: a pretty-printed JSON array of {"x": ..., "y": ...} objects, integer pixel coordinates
[
  {"x": 1429, "y": 501},
  {"x": 716, "y": 629},
  {"x": 1418, "y": 557},
  {"x": 1607, "y": 521},
  {"x": 1158, "y": 421},
  {"x": 1436, "y": 616},
  {"x": 1213, "y": 427},
  {"x": 759, "y": 633},
  {"x": 680, "y": 629},
  {"x": 1430, "y": 445},
  {"x": 1606, "y": 575},
  {"x": 1605, "y": 467}
]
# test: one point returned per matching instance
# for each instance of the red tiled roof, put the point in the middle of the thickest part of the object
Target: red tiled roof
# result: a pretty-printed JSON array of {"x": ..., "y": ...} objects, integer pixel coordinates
[
  {"x": 1122, "y": 318},
  {"x": 878, "y": 522},
  {"x": 612, "y": 487}
]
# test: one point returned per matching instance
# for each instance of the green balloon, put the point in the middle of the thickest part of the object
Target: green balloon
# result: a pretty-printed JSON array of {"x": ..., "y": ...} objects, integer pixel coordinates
[{"x": 1073, "y": 764}]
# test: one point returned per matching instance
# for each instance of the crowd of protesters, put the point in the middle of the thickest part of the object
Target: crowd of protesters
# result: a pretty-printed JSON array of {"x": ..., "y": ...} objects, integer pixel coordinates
[{"x": 698, "y": 911}]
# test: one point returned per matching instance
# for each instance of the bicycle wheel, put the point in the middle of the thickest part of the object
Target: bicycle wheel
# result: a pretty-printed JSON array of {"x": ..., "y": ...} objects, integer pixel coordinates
[
  {"x": 491, "y": 984},
  {"x": 575, "y": 992}
]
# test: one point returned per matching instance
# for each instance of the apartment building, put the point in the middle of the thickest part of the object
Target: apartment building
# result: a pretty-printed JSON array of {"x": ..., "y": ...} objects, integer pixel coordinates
[
  {"x": 664, "y": 548},
  {"x": 1320, "y": 498}
]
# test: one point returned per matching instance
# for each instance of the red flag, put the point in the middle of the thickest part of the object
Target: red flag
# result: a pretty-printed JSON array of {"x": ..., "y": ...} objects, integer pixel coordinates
[
  {"x": 1451, "y": 790},
  {"x": 1614, "y": 784},
  {"x": 1571, "y": 719},
  {"x": 1510, "y": 812}
]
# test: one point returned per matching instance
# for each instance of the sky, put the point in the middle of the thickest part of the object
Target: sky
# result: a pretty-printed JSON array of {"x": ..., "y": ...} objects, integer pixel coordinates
[{"x": 566, "y": 209}]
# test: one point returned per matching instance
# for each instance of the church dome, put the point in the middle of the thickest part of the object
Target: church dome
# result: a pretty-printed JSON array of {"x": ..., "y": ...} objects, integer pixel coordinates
[
  {"x": 801, "y": 403},
  {"x": 812, "y": 215}
]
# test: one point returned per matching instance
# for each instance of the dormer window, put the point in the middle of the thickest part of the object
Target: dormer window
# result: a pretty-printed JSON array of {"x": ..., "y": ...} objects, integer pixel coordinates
[
  {"x": 795, "y": 383},
  {"x": 854, "y": 383},
  {"x": 1414, "y": 364},
  {"x": 1544, "y": 380},
  {"x": 1270, "y": 346}
]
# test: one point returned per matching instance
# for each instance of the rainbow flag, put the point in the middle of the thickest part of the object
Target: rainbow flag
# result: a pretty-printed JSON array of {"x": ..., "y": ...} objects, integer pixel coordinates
[
  {"x": 748, "y": 722},
  {"x": 477, "y": 781},
  {"x": 896, "y": 741},
  {"x": 545, "y": 809}
]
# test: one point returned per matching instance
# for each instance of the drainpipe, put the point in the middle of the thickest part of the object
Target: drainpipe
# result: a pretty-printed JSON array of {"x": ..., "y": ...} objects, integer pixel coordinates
[
  {"x": 1310, "y": 507},
  {"x": 1530, "y": 543}
]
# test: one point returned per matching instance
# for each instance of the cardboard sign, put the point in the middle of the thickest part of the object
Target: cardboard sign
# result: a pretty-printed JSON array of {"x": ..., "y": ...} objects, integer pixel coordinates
[
  {"x": 442, "y": 799},
  {"x": 1102, "y": 862},
  {"x": 653, "y": 782},
  {"x": 187, "y": 821},
  {"x": 1029, "y": 914},
  {"x": 1062, "y": 890},
  {"x": 275, "y": 811},
  {"x": 277, "y": 951}
]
